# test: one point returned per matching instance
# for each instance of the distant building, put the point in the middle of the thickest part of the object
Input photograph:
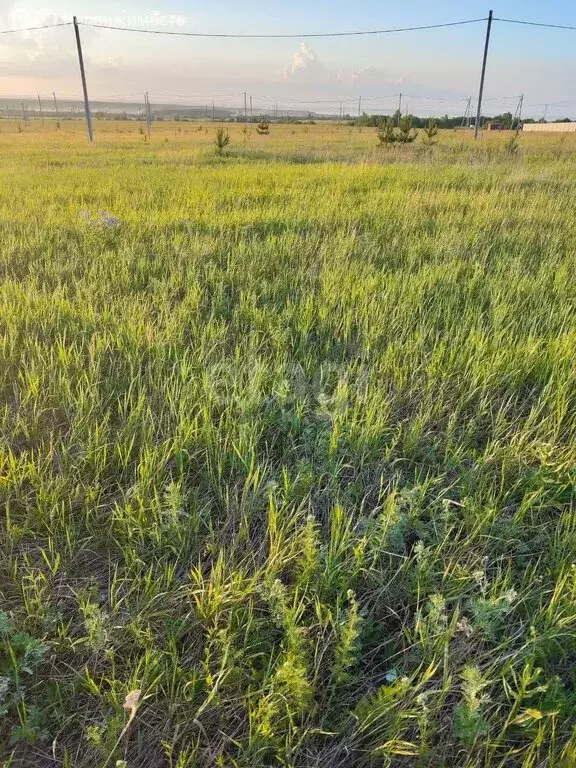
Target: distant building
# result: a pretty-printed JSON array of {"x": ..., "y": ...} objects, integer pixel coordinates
[
  {"x": 549, "y": 127},
  {"x": 493, "y": 126}
]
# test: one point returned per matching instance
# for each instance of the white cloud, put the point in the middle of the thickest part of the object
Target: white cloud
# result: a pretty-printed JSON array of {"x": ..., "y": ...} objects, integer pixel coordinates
[{"x": 305, "y": 66}]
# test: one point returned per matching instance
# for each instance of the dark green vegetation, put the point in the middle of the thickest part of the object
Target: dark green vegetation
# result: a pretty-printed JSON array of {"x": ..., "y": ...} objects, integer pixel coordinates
[{"x": 289, "y": 449}]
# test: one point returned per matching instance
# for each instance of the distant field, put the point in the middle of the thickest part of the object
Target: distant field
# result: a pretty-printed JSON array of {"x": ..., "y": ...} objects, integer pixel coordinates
[
  {"x": 287, "y": 445},
  {"x": 320, "y": 141}
]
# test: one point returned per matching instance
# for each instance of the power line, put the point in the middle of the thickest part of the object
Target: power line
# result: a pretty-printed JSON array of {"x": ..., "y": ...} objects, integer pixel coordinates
[
  {"x": 534, "y": 23},
  {"x": 300, "y": 35},
  {"x": 32, "y": 29},
  {"x": 124, "y": 99},
  {"x": 263, "y": 36}
]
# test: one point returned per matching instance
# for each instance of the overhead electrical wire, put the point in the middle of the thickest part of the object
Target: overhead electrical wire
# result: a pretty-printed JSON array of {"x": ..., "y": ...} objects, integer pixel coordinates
[
  {"x": 355, "y": 33},
  {"x": 274, "y": 36},
  {"x": 534, "y": 23},
  {"x": 32, "y": 29}
]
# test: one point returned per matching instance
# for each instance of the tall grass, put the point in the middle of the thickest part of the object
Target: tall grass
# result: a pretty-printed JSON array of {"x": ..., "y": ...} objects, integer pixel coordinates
[{"x": 288, "y": 448}]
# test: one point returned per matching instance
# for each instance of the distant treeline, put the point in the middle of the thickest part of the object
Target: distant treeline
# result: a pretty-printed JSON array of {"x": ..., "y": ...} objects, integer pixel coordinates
[{"x": 507, "y": 119}]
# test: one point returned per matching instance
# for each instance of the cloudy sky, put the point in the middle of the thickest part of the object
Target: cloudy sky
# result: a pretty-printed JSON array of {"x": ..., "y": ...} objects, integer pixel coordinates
[{"x": 436, "y": 70}]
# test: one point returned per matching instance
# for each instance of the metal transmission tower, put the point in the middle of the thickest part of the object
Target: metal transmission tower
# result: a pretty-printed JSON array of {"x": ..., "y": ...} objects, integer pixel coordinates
[
  {"x": 467, "y": 114},
  {"x": 148, "y": 113},
  {"x": 41, "y": 113}
]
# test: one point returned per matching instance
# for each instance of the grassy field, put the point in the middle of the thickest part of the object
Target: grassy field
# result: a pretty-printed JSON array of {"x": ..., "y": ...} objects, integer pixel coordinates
[{"x": 287, "y": 453}]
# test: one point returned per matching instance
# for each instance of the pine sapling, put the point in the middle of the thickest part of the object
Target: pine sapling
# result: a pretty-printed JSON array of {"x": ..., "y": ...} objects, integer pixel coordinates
[
  {"x": 406, "y": 134},
  {"x": 430, "y": 134},
  {"x": 386, "y": 134},
  {"x": 222, "y": 140}
]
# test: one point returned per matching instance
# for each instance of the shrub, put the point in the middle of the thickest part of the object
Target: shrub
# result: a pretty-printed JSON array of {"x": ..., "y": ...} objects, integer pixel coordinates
[{"x": 263, "y": 128}]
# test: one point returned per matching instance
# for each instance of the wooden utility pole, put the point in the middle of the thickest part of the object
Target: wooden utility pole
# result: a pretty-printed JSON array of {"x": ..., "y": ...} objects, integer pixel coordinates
[
  {"x": 56, "y": 106},
  {"x": 481, "y": 89},
  {"x": 83, "y": 76}
]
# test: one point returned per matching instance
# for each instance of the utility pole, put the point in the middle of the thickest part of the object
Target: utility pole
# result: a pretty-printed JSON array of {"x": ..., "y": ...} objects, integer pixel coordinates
[
  {"x": 481, "y": 89},
  {"x": 399, "y": 107},
  {"x": 466, "y": 113},
  {"x": 545, "y": 113},
  {"x": 84, "y": 86},
  {"x": 251, "y": 109},
  {"x": 359, "y": 112},
  {"x": 24, "y": 113},
  {"x": 245, "y": 109},
  {"x": 517, "y": 114},
  {"x": 55, "y": 106},
  {"x": 213, "y": 111},
  {"x": 41, "y": 113},
  {"x": 148, "y": 113}
]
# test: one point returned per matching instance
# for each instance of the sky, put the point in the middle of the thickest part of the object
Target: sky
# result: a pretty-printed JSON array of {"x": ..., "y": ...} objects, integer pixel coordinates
[{"x": 436, "y": 70}]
